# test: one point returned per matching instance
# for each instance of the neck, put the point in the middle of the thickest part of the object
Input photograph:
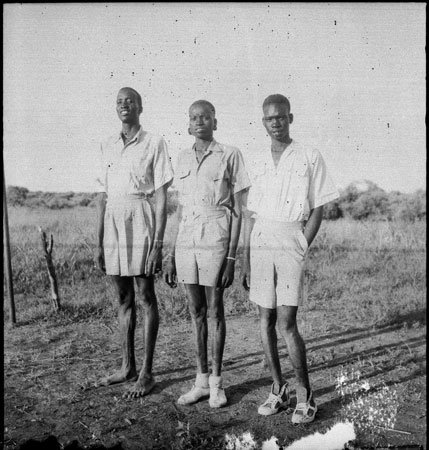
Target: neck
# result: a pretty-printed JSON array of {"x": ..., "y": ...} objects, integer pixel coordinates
[
  {"x": 130, "y": 129},
  {"x": 280, "y": 146},
  {"x": 201, "y": 144}
]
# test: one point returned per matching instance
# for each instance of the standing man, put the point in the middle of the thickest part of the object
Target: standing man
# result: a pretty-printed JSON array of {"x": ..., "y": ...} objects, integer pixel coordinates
[
  {"x": 135, "y": 174},
  {"x": 290, "y": 185},
  {"x": 210, "y": 181}
]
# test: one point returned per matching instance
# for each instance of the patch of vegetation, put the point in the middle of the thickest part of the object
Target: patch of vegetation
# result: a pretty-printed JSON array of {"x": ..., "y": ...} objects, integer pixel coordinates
[{"x": 364, "y": 201}]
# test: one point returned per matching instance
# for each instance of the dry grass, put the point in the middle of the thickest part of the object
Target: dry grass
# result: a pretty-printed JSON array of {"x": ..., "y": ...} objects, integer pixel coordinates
[
  {"x": 371, "y": 273},
  {"x": 359, "y": 275}
]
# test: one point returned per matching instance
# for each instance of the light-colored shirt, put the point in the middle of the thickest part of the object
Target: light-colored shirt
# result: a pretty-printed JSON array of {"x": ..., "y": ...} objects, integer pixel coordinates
[
  {"x": 288, "y": 192},
  {"x": 214, "y": 180},
  {"x": 139, "y": 167}
]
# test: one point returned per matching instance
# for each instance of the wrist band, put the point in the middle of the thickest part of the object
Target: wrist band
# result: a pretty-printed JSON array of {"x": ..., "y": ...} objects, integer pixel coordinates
[
  {"x": 230, "y": 257},
  {"x": 158, "y": 240},
  {"x": 171, "y": 256}
]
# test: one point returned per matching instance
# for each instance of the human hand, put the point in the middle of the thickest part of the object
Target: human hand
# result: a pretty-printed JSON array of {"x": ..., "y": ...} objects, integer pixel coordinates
[
  {"x": 227, "y": 273},
  {"x": 245, "y": 273},
  {"x": 154, "y": 262},
  {"x": 170, "y": 272},
  {"x": 99, "y": 259}
]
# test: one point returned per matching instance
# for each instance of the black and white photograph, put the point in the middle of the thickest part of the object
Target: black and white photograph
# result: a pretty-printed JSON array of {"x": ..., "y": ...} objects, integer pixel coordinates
[{"x": 214, "y": 226}]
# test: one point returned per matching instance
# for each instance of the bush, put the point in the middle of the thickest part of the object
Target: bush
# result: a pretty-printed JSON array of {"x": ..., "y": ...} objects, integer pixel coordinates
[
  {"x": 359, "y": 201},
  {"x": 371, "y": 204},
  {"x": 332, "y": 211},
  {"x": 16, "y": 195}
]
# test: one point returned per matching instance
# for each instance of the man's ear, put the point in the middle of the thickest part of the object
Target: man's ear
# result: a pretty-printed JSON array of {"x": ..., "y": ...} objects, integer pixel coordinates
[
  {"x": 290, "y": 117},
  {"x": 215, "y": 124},
  {"x": 189, "y": 131}
]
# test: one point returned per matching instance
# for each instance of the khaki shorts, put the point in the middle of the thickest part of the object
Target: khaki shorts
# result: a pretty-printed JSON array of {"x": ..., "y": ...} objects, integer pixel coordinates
[
  {"x": 202, "y": 245},
  {"x": 128, "y": 235},
  {"x": 277, "y": 257}
]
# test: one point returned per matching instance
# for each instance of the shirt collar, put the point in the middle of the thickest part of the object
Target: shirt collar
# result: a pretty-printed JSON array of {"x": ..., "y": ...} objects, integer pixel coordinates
[
  {"x": 288, "y": 151},
  {"x": 213, "y": 147},
  {"x": 134, "y": 139}
]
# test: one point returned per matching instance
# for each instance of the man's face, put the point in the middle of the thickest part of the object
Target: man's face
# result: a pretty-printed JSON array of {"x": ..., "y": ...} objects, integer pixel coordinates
[
  {"x": 128, "y": 107},
  {"x": 202, "y": 122},
  {"x": 276, "y": 120}
]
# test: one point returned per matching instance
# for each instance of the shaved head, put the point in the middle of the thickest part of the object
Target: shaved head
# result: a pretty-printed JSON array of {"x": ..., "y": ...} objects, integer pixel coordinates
[
  {"x": 276, "y": 99},
  {"x": 204, "y": 103}
]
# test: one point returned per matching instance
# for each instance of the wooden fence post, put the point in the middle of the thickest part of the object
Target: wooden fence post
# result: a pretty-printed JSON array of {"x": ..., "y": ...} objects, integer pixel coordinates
[
  {"x": 51, "y": 270},
  {"x": 6, "y": 247}
]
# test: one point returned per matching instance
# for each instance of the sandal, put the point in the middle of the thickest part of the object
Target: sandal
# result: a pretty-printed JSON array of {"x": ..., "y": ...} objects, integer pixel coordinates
[{"x": 305, "y": 412}]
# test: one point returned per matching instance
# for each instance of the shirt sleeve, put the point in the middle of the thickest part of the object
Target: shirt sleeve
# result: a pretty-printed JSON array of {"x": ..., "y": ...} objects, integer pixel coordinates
[
  {"x": 322, "y": 188},
  {"x": 162, "y": 167},
  {"x": 101, "y": 176},
  {"x": 238, "y": 175}
]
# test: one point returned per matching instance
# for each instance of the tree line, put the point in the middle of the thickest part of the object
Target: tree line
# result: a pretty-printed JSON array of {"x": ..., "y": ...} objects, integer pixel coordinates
[{"x": 358, "y": 201}]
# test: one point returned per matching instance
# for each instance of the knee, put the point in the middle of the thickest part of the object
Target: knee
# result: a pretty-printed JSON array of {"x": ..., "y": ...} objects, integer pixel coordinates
[
  {"x": 216, "y": 314},
  {"x": 198, "y": 313},
  {"x": 267, "y": 321},
  {"x": 148, "y": 297},
  {"x": 288, "y": 328},
  {"x": 126, "y": 298}
]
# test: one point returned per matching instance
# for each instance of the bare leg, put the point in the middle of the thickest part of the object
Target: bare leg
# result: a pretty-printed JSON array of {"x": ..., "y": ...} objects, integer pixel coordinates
[
  {"x": 295, "y": 345},
  {"x": 127, "y": 325},
  {"x": 146, "y": 381},
  {"x": 218, "y": 327},
  {"x": 198, "y": 309},
  {"x": 267, "y": 320}
]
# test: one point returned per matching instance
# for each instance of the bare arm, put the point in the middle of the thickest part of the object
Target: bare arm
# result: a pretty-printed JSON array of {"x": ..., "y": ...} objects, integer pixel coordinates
[
  {"x": 313, "y": 224},
  {"x": 227, "y": 276},
  {"x": 248, "y": 223},
  {"x": 155, "y": 257},
  {"x": 170, "y": 268},
  {"x": 101, "y": 210}
]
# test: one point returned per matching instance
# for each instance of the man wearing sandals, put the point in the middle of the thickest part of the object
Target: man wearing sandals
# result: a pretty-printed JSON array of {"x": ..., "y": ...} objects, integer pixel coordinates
[{"x": 290, "y": 185}]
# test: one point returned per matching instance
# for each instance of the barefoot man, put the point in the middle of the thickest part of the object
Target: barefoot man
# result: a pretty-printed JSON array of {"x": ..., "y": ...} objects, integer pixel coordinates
[{"x": 130, "y": 228}]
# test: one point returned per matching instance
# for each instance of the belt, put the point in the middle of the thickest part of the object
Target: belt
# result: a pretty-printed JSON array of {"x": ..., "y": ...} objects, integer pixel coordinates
[
  {"x": 128, "y": 197},
  {"x": 279, "y": 224},
  {"x": 205, "y": 211}
]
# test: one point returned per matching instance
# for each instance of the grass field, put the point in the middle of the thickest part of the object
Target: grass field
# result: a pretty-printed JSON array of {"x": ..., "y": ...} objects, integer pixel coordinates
[
  {"x": 361, "y": 271},
  {"x": 361, "y": 277}
]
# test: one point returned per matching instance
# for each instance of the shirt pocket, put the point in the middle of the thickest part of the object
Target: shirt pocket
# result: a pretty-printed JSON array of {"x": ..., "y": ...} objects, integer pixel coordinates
[
  {"x": 299, "y": 186},
  {"x": 141, "y": 175},
  {"x": 258, "y": 187},
  {"x": 300, "y": 178},
  {"x": 221, "y": 183},
  {"x": 184, "y": 181},
  {"x": 221, "y": 173}
]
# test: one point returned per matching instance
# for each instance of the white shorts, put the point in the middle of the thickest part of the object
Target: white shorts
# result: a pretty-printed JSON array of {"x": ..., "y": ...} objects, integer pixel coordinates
[
  {"x": 202, "y": 245},
  {"x": 277, "y": 257},
  {"x": 128, "y": 235}
]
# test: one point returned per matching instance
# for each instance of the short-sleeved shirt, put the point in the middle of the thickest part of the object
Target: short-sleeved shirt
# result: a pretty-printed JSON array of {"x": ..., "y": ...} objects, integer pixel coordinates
[
  {"x": 288, "y": 192},
  {"x": 140, "y": 167},
  {"x": 212, "y": 182}
]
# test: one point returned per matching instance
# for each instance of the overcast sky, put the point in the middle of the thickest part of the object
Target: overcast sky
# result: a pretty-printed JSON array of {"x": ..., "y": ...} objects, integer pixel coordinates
[{"x": 354, "y": 72}]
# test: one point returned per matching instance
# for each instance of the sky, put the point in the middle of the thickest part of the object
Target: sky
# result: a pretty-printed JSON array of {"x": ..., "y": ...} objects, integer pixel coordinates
[{"x": 354, "y": 74}]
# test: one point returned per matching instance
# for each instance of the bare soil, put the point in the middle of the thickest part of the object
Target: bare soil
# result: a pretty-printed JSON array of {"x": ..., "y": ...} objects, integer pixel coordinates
[{"x": 50, "y": 370}]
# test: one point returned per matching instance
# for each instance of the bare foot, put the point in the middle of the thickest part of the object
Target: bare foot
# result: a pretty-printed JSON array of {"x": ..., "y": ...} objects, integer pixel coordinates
[
  {"x": 116, "y": 378},
  {"x": 142, "y": 387}
]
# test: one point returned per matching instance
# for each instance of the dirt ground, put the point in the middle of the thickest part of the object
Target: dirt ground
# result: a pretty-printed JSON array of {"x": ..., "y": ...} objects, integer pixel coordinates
[{"x": 49, "y": 375}]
